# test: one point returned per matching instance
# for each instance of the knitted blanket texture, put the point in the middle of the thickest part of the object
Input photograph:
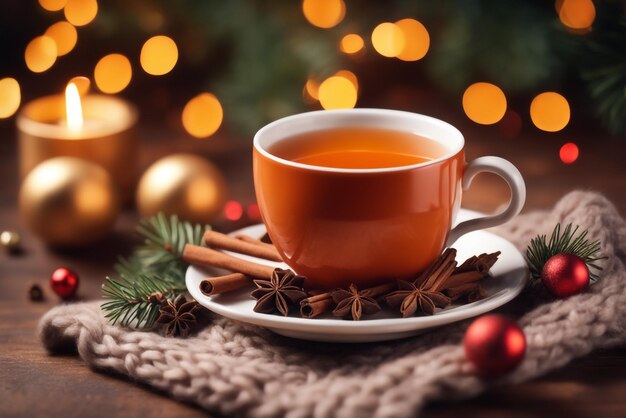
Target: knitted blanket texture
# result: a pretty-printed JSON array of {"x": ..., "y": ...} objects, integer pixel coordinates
[{"x": 234, "y": 369}]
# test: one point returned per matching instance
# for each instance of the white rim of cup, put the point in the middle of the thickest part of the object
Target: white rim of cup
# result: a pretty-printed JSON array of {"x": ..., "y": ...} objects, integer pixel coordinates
[{"x": 377, "y": 118}]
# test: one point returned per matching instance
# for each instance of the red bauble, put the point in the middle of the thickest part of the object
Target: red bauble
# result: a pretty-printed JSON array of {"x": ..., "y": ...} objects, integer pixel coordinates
[
  {"x": 64, "y": 282},
  {"x": 565, "y": 275},
  {"x": 494, "y": 345}
]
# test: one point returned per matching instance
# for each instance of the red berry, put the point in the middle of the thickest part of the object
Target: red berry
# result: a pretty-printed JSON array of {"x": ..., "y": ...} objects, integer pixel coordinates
[
  {"x": 565, "y": 275},
  {"x": 494, "y": 345},
  {"x": 64, "y": 282}
]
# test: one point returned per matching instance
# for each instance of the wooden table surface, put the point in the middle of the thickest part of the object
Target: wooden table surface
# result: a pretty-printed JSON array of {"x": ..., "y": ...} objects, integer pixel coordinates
[{"x": 35, "y": 384}]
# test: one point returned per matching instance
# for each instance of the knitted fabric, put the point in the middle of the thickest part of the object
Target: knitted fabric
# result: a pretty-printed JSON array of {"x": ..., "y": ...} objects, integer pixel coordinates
[{"x": 237, "y": 370}]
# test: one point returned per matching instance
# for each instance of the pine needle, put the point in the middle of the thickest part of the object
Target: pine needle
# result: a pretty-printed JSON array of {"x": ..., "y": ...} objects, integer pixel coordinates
[
  {"x": 566, "y": 241},
  {"x": 136, "y": 302},
  {"x": 154, "y": 272}
]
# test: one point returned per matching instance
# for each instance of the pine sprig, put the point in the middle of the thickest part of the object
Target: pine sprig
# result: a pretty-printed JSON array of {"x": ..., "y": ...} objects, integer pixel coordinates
[
  {"x": 164, "y": 240},
  {"x": 154, "y": 272},
  {"x": 136, "y": 302},
  {"x": 566, "y": 241}
]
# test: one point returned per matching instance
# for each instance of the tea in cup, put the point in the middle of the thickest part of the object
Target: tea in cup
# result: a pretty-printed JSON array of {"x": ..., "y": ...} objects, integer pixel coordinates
[{"x": 366, "y": 196}]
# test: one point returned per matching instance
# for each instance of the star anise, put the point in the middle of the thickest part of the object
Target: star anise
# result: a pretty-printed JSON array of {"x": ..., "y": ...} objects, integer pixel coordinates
[
  {"x": 410, "y": 298},
  {"x": 179, "y": 316},
  {"x": 353, "y": 303},
  {"x": 279, "y": 293}
]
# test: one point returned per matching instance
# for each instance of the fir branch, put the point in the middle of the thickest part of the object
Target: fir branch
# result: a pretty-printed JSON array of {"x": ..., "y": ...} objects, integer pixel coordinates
[
  {"x": 135, "y": 300},
  {"x": 154, "y": 272},
  {"x": 164, "y": 240},
  {"x": 539, "y": 250}
]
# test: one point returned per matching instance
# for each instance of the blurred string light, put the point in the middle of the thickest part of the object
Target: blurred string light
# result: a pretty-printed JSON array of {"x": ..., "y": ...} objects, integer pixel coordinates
[
  {"x": 40, "y": 54},
  {"x": 233, "y": 210},
  {"x": 351, "y": 44},
  {"x": 80, "y": 12},
  {"x": 64, "y": 35},
  {"x": 484, "y": 103},
  {"x": 311, "y": 88},
  {"x": 337, "y": 92},
  {"x": 82, "y": 84},
  {"x": 550, "y": 111},
  {"x": 202, "y": 115},
  {"x": 576, "y": 14},
  {"x": 341, "y": 98},
  {"x": 388, "y": 39},
  {"x": 416, "y": 40},
  {"x": 113, "y": 73},
  {"x": 324, "y": 13},
  {"x": 253, "y": 212},
  {"x": 569, "y": 153},
  {"x": 10, "y": 97},
  {"x": 350, "y": 76},
  {"x": 159, "y": 55},
  {"x": 52, "y": 5}
]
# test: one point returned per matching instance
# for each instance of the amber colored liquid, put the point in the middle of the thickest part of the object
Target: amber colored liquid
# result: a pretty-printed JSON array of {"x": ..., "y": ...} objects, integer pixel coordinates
[{"x": 358, "y": 148}]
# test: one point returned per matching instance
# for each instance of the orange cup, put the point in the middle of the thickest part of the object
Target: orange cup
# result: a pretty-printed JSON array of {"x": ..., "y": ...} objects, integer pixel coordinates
[{"x": 338, "y": 226}]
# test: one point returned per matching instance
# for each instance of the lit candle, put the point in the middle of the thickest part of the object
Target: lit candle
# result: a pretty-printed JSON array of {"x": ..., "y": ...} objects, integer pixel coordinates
[
  {"x": 97, "y": 128},
  {"x": 73, "y": 108}
]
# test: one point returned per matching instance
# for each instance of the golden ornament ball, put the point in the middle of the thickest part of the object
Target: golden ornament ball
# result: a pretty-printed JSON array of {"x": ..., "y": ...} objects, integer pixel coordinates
[
  {"x": 182, "y": 184},
  {"x": 69, "y": 202}
]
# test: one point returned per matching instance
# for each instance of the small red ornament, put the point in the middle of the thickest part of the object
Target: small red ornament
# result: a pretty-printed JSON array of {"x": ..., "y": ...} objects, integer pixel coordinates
[
  {"x": 494, "y": 345},
  {"x": 64, "y": 282},
  {"x": 565, "y": 275}
]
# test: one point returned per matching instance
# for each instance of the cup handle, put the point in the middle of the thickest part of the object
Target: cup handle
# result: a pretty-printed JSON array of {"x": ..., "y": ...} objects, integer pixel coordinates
[{"x": 514, "y": 179}]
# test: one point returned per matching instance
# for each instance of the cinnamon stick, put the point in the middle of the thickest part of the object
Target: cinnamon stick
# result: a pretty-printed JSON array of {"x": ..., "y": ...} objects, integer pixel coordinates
[
  {"x": 194, "y": 254},
  {"x": 470, "y": 291},
  {"x": 467, "y": 265},
  {"x": 489, "y": 260},
  {"x": 458, "y": 279},
  {"x": 429, "y": 270},
  {"x": 224, "y": 242},
  {"x": 223, "y": 284},
  {"x": 314, "y": 306},
  {"x": 317, "y": 305},
  {"x": 435, "y": 276},
  {"x": 476, "y": 294},
  {"x": 458, "y": 292},
  {"x": 481, "y": 263},
  {"x": 376, "y": 291},
  {"x": 252, "y": 240}
]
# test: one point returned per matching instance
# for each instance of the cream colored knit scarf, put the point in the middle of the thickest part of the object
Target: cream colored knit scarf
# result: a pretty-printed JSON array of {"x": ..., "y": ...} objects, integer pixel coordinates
[{"x": 233, "y": 369}]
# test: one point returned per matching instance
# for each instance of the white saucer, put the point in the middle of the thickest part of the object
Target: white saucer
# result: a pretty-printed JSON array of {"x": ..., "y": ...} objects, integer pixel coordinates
[{"x": 510, "y": 275}]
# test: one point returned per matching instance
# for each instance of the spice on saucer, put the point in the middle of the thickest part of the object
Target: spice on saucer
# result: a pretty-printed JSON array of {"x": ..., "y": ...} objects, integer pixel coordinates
[
  {"x": 224, "y": 284},
  {"x": 195, "y": 254},
  {"x": 279, "y": 293},
  {"x": 441, "y": 284},
  {"x": 316, "y": 305},
  {"x": 411, "y": 299},
  {"x": 258, "y": 249},
  {"x": 354, "y": 304}
]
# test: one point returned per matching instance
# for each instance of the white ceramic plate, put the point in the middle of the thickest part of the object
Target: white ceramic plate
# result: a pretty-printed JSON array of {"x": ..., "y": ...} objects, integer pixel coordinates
[{"x": 509, "y": 278}]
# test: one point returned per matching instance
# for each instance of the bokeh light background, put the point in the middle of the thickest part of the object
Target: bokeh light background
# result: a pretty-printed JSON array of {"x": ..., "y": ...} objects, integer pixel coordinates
[{"x": 209, "y": 70}]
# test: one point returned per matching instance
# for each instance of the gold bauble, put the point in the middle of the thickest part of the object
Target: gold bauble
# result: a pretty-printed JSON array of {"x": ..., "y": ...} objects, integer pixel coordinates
[
  {"x": 69, "y": 202},
  {"x": 182, "y": 184}
]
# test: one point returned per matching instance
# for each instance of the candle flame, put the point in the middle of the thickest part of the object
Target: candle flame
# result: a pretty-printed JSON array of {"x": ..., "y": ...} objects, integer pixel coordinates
[{"x": 73, "y": 108}]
